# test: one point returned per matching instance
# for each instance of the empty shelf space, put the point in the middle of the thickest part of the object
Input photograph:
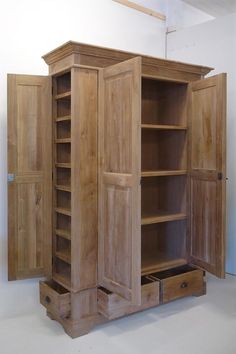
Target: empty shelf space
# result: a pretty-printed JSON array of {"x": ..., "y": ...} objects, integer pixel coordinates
[
  {"x": 63, "y": 233},
  {"x": 62, "y": 280},
  {"x": 65, "y": 95},
  {"x": 63, "y": 119},
  {"x": 63, "y": 188},
  {"x": 63, "y": 211},
  {"x": 62, "y": 83},
  {"x": 156, "y": 263},
  {"x": 163, "y": 127},
  {"x": 62, "y": 141},
  {"x": 63, "y": 165},
  {"x": 162, "y": 217},
  {"x": 64, "y": 256},
  {"x": 163, "y": 173}
]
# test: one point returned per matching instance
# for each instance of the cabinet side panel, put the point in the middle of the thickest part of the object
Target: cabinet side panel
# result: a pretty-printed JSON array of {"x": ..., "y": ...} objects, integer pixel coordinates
[{"x": 84, "y": 178}]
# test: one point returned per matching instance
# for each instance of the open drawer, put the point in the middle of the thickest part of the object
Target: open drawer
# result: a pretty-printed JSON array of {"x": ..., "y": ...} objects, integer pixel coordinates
[
  {"x": 112, "y": 305},
  {"x": 179, "y": 282},
  {"x": 55, "y": 298}
]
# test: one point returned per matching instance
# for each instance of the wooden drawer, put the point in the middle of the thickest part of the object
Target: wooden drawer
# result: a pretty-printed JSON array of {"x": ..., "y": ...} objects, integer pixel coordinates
[
  {"x": 55, "y": 298},
  {"x": 179, "y": 282},
  {"x": 112, "y": 305}
]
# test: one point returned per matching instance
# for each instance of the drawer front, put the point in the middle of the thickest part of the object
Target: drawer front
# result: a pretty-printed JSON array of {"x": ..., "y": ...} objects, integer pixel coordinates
[
  {"x": 113, "y": 306},
  {"x": 182, "y": 285},
  {"x": 55, "y": 298}
]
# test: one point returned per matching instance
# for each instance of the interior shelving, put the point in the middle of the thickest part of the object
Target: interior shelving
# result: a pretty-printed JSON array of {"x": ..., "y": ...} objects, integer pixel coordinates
[
  {"x": 164, "y": 174},
  {"x": 62, "y": 179},
  {"x": 163, "y": 246}
]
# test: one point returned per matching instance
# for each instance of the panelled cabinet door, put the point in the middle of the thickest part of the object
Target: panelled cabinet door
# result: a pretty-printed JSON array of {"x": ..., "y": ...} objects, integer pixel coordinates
[
  {"x": 29, "y": 176},
  {"x": 119, "y": 235},
  {"x": 208, "y": 173}
]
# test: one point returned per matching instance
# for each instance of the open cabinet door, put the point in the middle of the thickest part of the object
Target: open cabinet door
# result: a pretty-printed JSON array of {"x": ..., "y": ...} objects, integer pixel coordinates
[
  {"x": 29, "y": 176},
  {"x": 119, "y": 235},
  {"x": 208, "y": 173}
]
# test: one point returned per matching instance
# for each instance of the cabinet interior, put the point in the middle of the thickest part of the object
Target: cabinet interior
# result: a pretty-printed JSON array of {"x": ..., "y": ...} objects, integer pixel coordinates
[{"x": 164, "y": 175}]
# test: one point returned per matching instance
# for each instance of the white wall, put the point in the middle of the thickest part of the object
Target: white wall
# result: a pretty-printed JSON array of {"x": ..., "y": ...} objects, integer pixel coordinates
[
  {"x": 214, "y": 44},
  {"x": 29, "y": 29}
]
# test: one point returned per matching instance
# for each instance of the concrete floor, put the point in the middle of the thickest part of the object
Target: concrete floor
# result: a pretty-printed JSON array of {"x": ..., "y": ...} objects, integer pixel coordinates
[{"x": 203, "y": 325}]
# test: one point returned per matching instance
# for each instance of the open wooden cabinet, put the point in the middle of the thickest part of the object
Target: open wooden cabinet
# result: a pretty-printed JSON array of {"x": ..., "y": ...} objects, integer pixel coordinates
[{"x": 116, "y": 182}]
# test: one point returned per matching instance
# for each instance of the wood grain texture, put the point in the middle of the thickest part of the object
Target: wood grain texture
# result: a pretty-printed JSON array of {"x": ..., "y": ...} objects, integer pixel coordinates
[
  {"x": 207, "y": 171},
  {"x": 119, "y": 177},
  {"x": 30, "y": 160}
]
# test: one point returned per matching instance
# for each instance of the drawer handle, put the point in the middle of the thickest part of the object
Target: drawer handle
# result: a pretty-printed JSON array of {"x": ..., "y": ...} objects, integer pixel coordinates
[
  {"x": 184, "y": 285},
  {"x": 47, "y": 299}
]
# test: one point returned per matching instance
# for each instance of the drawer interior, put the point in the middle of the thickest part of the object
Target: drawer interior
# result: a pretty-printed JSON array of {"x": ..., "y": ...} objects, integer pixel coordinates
[{"x": 172, "y": 272}]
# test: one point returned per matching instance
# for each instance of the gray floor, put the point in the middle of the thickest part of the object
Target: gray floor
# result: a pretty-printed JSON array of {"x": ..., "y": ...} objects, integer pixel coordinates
[{"x": 203, "y": 325}]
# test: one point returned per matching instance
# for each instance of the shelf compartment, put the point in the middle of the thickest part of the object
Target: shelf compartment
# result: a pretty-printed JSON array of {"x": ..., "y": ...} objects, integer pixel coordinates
[
  {"x": 64, "y": 96},
  {"x": 159, "y": 173},
  {"x": 162, "y": 217},
  {"x": 63, "y": 176},
  {"x": 63, "y": 119},
  {"x": 63, "y": 249},
  {"x": 63, "y": 129},
  {"x": 163, "y": 199},
  {"x": 63, "y": 233},
  {"x": 63, "y": 188},
  {"x": 63, "y": 225},
  {"x": 163, "y": 246},
  {"x": 63, "y": 141},
  {"x": 163, "y": 150},
  {"x": 63, "y": 153},
  {"x": 163, "y": 127},
  {"x": 164, "y": 102},
  {"x": 63, "y": 199},
  {"x": 63, "y": 83},
  {"x": 63, "y": 108},
  {"x": 62, "y": 273},
  {"x": 63, "y": 211}
]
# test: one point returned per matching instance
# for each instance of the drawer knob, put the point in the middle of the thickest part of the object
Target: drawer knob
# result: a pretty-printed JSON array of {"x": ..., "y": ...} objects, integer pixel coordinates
[
  {"x": 184, "y": 285},
  {"x": 47, "y": 299}
]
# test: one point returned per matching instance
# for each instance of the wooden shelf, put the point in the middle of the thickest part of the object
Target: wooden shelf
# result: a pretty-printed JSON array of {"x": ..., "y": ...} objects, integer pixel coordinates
[
  {"x": 63, "y": 211},
  {"x": 63, "y": 95},
  {"x": 163, "y": 127},
  {"x": 64, "y": 256},
  {"x": 163, "y": 173},
  {"x": 63, "y": 188},
  {"x": 162, "y": 217},
  {"x": 63, "y": 233},
  {"x": 64, "y": 118},
  {"x": 62, "y": 280},
  {"x": 157, "y": 262},
  {"x": 63, "y": 141},
  {"x": 63, "y": 165}
]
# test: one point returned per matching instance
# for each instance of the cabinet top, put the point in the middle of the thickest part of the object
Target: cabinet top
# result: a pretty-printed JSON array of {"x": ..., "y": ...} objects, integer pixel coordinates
[{"x": 108, "y": 56}]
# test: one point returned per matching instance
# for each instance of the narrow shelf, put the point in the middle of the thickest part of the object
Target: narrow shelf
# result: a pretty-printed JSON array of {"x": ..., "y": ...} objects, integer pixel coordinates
[
  {"x": 64, "y": 256},
  {"x": 162, "y": 217},
  {"x": 63, "y": 164},
  {"x": 158, "y": 262},
  {"x": 163, "y": 127},
  {"x": 62, "y": 119},
  {"x": 63, "y": 211},
  {"x": 163, "y": 173},
  {"x": 63, "y": 141},
  {"x": 62, "y": 280},
  {"x": 63, "y": 95},
  {"x": 63, "y": 233},
  {"x": 61, "y": 187}
]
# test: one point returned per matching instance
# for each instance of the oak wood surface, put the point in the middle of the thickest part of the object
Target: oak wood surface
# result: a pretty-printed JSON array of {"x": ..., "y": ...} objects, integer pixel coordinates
[{"x": 29, "y": 159}]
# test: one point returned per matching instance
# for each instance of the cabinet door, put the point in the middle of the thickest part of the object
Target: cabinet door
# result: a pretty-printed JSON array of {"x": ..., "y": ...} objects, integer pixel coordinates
[
  {"x": 29, "y": 176},
  {"x": 208, "y": 173},
  {"x": 119, "y": 258}
]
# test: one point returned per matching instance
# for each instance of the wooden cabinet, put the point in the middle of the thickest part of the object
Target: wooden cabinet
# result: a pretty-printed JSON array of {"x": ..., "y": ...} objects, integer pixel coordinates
[{"x": 134, "y": 212}]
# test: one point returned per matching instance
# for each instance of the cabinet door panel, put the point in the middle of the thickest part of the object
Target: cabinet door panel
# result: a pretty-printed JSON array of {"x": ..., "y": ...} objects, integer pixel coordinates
[
  {"x": 207, "y": 173},
  {"x": 30, "y": 175},
  {"x": 119, "y": 258}
]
